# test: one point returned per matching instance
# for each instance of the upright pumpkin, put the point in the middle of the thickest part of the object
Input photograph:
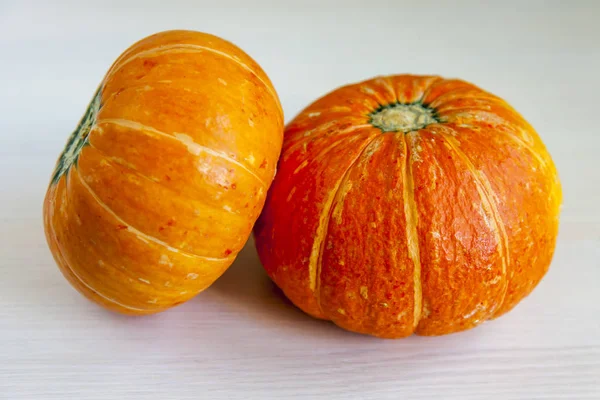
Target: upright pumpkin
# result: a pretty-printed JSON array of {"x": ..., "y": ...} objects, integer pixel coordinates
[
  {"x": 160, "y": 184},
  {"x": 409, "y": 204}
]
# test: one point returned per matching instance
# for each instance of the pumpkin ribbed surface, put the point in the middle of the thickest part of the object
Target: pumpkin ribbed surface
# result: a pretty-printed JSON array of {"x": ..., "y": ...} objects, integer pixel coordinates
[
  {"x": 160, "y": 184},
  {"x": 409, "y": 204}
]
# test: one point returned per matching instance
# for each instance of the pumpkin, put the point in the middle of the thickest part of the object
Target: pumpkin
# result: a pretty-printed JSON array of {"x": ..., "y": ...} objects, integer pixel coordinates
[
  {"x": 159, "y": 186},
  {"x": 409, "y": 204}
]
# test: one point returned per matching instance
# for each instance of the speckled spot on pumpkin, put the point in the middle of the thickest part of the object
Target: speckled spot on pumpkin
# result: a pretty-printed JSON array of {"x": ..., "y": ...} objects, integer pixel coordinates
[
  {"x": 364, "y": 292},
  {"x": 164, "y": 260},
  {"x": 426, "y": 311},
  {"x": 291, "y": 194},
  {"x": 367, "y": 90},
  {"x": 301, "y": 166}
]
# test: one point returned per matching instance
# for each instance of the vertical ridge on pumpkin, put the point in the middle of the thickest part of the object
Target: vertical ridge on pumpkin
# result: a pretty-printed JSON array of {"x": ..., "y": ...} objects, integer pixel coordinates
[
  {"x": 316, "y": 255},
  {"x": 487, "y": 198},
  {"x": 529, "y": 148},
  {"x": 411, "y": 89},
  {"x": 193, "y": 147},
  {"x": 122, "y": 163},
  {"x": 140, "y": 234},
  {"x": 341, "y": 193},
  {"x": 302, "y": 141},
  {"x": 386, "y": 82},
  {"x": 100, "y": 262},
  {"x": 460, "y": 120},
  {"x": 72, "y": 272},
  {"x": 430, "y": 85},
  {"x": 190, "y": 48},
  {"x": 412, "y": 217},
  {"x": 65, "y": 264}
]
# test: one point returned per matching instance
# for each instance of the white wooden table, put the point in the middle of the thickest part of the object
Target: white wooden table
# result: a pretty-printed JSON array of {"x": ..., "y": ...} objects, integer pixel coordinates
[{"x": 241, "y": 339}]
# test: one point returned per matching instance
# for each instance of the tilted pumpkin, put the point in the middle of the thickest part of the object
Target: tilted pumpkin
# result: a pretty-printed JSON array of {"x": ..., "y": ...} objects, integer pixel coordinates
[
  {"x": 159, "y": 186},
  {"x": 409, "y": 204}
]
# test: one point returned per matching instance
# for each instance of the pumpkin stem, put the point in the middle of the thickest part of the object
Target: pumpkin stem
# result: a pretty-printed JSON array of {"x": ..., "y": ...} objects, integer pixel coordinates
[
  {"x": 78, "y": 138},
  {"x": 405, "y": 118}
]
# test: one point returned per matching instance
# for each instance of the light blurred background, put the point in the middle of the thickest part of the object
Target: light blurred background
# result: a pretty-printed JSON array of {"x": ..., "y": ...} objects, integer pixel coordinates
[{"x": 541, "y": 56}]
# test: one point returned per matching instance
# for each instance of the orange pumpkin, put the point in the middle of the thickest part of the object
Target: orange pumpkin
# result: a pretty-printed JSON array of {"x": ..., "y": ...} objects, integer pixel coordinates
[
  {"x": 159, "y": 186},
  {"x": 409, "y": 204}
]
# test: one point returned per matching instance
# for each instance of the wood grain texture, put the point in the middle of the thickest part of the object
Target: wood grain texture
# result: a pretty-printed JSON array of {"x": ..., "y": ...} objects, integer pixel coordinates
[{"x": 240, "y": 339}]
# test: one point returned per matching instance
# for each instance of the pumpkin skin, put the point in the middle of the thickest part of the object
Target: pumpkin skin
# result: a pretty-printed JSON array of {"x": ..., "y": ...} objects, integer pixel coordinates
[
  {"x": 160, "y": 184},
  {"x": 409, "y": 204}
]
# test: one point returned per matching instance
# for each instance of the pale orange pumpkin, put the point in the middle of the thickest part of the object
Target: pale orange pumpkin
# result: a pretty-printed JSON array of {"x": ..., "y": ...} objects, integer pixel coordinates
[
  {"x": 159, "y": 186},
  {"x": 409, "y": 204}
]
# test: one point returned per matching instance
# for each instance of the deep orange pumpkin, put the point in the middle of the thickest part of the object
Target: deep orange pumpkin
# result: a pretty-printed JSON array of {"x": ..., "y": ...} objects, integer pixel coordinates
[
  {"x": 159, "y": 186},
  {"x": 409, "y": 204}
]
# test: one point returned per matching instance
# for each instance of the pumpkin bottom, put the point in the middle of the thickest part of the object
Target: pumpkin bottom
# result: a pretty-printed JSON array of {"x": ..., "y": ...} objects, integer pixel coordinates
[
  {"x": 93, "y": 291},
  {"x": 111, "y": 305},
  {"x": 384, "y": 328},
  {"x": 441, "y": 329}
]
